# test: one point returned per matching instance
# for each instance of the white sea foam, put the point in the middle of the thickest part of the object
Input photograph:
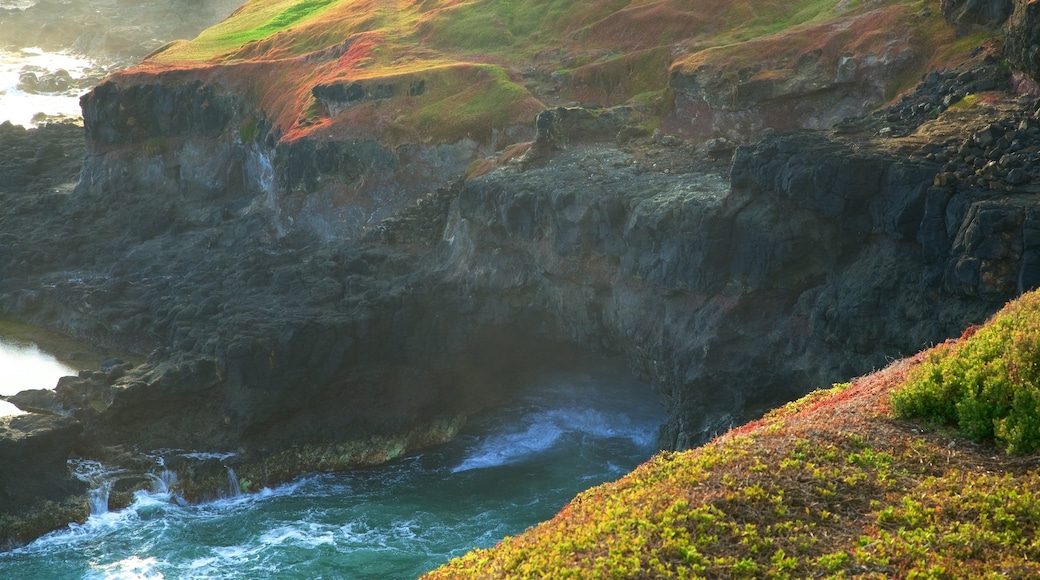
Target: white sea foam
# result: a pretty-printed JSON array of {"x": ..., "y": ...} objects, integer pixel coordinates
[
  {"x": 577, "y": 404},
  {"x": 18, "y": 106},
  {"x": 132, "y": 568},
  {"x": 300, "y": 534},
  {"x": 390, "y": 535},
  {"x": 206, "y": 455}
]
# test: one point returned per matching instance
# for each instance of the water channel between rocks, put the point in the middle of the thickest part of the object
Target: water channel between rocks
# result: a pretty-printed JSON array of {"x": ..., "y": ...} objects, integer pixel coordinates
[
  {"x": 24, "y": 366},
  {"x": 508, "y": 470}
]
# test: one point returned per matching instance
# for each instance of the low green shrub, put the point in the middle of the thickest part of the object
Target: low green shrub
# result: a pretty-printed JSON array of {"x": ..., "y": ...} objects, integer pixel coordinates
[{"x": 988, "y": 384}]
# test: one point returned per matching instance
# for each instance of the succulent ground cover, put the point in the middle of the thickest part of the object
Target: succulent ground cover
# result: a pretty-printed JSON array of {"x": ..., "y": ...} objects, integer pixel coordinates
[
  {"x": 988, "y": 385},
  {"x": 831, "y": 485}
]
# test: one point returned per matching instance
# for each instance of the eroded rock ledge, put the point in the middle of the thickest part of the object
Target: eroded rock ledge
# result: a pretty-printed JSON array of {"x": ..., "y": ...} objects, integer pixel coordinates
[{"x": 814, "y": 259}]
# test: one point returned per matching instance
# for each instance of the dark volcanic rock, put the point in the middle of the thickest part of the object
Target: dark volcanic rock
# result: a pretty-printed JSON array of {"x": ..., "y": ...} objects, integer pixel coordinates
[
  {"x": 33, "y": 451},
  {"x": 40, "y": 160},
  {"x": 976, "y": 12},
  {"x": 789, "y": 280},
  {"x": 268, "y": 334},
  {"x": 1021, "y": 45},
  {"x": 121, "y": 115}
]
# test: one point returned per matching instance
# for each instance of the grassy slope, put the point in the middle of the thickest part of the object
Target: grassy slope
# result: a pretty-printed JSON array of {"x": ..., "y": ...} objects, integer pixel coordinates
[
  {"x": 606, "y": 52},
  {"x": 832, "y": 485}
]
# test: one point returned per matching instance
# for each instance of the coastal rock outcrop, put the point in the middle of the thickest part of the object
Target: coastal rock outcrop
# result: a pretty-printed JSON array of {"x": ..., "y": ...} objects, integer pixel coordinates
[
  {"x": 968, "y": 13},
  {"x": 1022, "y": 48},
  {"x": 38, "y": 493},
  {"x": 810, "y": 80},
  {"x": 41, "y": 444}
]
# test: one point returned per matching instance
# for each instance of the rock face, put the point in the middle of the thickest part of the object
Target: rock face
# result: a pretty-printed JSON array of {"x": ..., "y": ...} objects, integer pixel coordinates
[
  {"x": 805, "y": 269},
  {"x": 37, "y": 491},
  {"x": 818, "y": 256},
  {"x": 42, "y": 444},
  {"x": 977, "y": 12},
  {"x": 1022, "y": 47},
  {"x": 298, "y": 292}
]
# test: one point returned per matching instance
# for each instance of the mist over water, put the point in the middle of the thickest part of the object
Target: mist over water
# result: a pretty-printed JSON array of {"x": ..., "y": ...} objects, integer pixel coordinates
[
  {"x": 507, "y": 471},
  {"x": 54, "y": 51},
  {"x": 25, "y": 367},
  {"x": 64, "y": 78}
]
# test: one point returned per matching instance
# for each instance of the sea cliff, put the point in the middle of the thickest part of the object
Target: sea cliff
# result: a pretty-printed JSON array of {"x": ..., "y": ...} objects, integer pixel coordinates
[{"x": 336, "y": 229}]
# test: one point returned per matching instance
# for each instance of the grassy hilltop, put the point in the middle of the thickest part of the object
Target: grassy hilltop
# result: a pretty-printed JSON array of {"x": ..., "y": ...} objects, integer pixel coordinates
[
  {"x": 439, "y": 71},
  {"x": 838, "y": 484}
]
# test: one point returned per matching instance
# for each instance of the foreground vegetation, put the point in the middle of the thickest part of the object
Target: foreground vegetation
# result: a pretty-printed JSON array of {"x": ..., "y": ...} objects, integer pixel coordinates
[{"x": 833, "y": 485}]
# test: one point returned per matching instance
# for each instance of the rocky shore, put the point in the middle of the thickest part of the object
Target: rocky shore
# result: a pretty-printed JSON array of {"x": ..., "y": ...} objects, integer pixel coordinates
[{"x": 292, "y": 323}]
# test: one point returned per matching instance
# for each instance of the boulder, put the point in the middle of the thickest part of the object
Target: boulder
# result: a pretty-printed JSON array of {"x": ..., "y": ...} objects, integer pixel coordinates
[{"x": 34, "y": 449}]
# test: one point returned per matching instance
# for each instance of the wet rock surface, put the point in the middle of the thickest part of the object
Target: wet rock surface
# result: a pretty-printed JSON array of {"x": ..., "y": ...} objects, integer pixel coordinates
[{"x": 37, "y": 492}]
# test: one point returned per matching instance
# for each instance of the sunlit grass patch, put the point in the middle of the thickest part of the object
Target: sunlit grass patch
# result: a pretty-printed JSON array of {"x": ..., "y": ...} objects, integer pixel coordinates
[{"x": 989, "y": 384}]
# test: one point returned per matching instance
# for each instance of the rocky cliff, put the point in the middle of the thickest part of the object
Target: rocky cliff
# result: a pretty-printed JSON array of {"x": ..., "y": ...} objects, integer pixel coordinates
[{"x": 335, "y": 238}]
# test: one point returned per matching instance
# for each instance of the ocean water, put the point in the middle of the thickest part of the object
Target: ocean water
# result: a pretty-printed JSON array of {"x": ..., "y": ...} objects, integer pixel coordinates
[
  {"x": 36, "y": 84},
  {"x": 25, "y": 366},
  {"x": 508, "y": 470}
]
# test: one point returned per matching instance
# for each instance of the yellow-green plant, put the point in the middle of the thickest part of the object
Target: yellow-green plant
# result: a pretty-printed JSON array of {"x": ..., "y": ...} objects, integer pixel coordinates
[{"x": 988, "y": 384}]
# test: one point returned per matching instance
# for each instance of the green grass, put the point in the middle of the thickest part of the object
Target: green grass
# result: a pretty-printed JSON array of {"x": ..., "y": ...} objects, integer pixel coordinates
[
  {"x": 988, "y": 385},
  {"x": 284, "y": 19},
  {"x": 491, "y": 100},
  {"x": 526, "y": 26},
  {"x": 765, "y": 18},
  {"x": 254, "y": 21}
]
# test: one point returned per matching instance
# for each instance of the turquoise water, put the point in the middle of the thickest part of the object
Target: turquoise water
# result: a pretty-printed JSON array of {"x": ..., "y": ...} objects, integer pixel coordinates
[{"x": 507, "y": 471}]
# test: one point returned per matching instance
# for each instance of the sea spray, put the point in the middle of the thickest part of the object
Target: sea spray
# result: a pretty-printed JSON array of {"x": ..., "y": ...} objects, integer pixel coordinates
[
  {"x": 96, "y": 476},
  {"x": 234, "y": 488},
  {"x": 98, "y": 498}
]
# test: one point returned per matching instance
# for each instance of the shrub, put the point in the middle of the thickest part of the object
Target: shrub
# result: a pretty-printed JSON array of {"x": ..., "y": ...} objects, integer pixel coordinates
[{"x": 988, "y": 385}]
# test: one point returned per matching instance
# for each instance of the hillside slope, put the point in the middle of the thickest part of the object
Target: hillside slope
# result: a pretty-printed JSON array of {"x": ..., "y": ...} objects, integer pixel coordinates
[
  {"x": 443, "y": 71},
  {"x": 831, "y": 485}
]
